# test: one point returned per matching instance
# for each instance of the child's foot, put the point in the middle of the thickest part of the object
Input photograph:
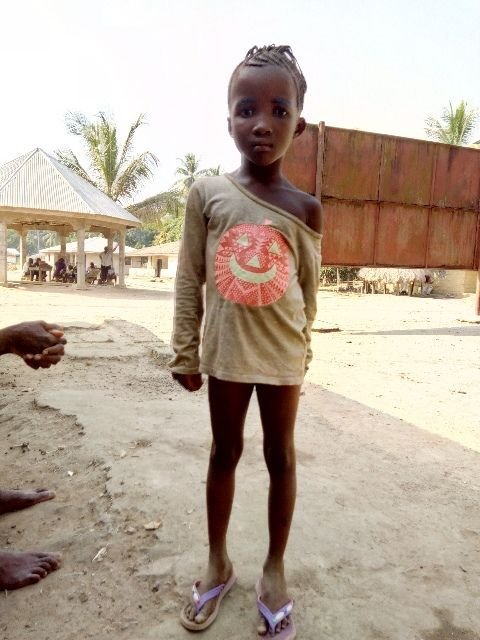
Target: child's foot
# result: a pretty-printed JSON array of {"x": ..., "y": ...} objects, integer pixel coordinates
[
  {"x": 216, "y": 575},
  {"x": 12, "y": 500},
  {"x": 274, "y": 595}
]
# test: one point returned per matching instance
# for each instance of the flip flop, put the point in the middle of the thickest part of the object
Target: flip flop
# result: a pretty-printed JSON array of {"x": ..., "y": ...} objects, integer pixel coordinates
[
  {"x": 199, "y": 601},
  {"x": 275, "y": 617}
]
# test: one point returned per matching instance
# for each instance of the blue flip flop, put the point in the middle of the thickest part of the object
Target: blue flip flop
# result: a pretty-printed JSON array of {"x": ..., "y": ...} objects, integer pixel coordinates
[{"x": 274, "y": 618}]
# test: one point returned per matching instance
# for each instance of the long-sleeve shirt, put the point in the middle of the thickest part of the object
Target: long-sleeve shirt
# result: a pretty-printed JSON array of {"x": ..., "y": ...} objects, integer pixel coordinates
[{"x": 260, "y": 265}]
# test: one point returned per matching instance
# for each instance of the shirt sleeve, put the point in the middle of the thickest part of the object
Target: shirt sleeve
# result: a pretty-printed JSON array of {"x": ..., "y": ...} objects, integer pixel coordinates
[
  {"x": 309, "y": 279},
  {"x": 189, "y": 283}
]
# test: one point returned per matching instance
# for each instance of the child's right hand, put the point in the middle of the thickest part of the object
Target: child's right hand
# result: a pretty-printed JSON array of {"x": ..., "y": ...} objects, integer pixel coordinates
[{"x": 189, "y": 381}]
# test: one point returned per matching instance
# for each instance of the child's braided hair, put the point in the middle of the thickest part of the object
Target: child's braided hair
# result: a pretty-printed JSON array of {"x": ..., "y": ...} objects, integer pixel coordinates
[{"x": 279, "y": 56}]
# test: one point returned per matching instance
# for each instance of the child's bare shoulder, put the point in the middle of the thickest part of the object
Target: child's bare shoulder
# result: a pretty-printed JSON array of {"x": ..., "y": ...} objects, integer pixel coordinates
[{"x": 306, "y": 207}]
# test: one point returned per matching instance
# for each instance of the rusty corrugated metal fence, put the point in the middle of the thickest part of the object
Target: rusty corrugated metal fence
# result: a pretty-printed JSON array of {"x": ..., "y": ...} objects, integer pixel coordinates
[{"x": 391, "y": 201}]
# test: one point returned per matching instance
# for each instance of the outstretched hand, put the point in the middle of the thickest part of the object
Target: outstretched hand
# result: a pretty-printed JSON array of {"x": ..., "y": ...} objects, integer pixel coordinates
[
  {"x": 189, "y": 381},
  {"x": 39, "y": 343}
]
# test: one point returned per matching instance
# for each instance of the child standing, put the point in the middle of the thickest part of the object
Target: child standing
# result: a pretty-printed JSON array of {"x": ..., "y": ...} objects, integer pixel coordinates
[{"x": 254, "y": 240}]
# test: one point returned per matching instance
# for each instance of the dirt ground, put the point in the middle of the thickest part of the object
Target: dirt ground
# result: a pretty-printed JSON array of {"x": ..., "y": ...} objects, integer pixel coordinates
[{"x": 386, "y": 536}]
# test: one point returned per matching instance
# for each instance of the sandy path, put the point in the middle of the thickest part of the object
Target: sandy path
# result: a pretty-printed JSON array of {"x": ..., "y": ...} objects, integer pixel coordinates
[{"x": 386, "y": 537}]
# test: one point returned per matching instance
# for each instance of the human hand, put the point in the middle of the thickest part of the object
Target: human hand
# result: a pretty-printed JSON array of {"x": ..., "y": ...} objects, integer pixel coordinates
[
  {"x": 40, "y": 344},
  {"x": 44, "y": 360},
  {"x": 189, "y": 381}
]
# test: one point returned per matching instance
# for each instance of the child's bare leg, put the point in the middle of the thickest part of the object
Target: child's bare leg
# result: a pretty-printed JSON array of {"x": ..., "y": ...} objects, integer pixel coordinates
[
  {"x": 228, "y": 408},
  {"x": 278, "y": 410}
]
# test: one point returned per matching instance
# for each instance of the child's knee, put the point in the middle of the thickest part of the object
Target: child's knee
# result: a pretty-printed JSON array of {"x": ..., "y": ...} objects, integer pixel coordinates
[
  {"x": 279, "y": 460},
  {"x": 225, "y": 457}
]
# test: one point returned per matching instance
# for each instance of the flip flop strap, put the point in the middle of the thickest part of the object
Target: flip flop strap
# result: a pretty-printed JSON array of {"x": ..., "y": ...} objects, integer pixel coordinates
[
  {"x": 201, "y": 600},
  {"x": 275, "y": 618}
]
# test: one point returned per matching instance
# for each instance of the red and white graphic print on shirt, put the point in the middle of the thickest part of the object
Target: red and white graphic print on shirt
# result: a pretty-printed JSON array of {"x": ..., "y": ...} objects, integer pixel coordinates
[{"x": 251, "y": 264}]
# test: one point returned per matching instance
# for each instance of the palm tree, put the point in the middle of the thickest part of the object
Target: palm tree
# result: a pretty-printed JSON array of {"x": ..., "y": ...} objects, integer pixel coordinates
[
  {"x": 112, "y": 169},
  {"x": 154, "y": 209},
  {"x": 214, "y": 171},
  {"x": 189, "y": 170},
  {"x": 455, "y": 125}
]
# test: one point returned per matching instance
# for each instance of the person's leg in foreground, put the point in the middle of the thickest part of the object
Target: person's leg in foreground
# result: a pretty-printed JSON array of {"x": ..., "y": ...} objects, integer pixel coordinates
[
  {"x": 278, "y": 411},
  {"x": 228, "y": 408}
]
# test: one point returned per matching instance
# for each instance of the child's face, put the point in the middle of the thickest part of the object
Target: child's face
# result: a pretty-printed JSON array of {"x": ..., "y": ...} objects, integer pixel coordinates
[{"x": 264, "y": 117}]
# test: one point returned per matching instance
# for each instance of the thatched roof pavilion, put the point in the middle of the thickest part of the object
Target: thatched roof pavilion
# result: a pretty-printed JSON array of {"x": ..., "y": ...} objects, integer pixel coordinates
[{"x": 38, "y": 192}]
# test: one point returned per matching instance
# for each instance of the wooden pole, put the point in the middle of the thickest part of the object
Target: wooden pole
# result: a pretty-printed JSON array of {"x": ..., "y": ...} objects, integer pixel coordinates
[
  {"x": 23, "y": 246},
  {"x": 320, "y": 160},
  {"x": 3, "y": 253},
  {"x": 477, "y": 294},
  {"x": 81, "y": 258},
  {"x": 121, "y": 260}
]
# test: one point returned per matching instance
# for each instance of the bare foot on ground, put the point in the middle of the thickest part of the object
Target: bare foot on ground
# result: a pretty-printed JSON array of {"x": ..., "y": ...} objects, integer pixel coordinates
[
  {"x": 12, "y": 500},
  {"x": 273, "y": 589},
  {"x": 19, "y": 569},
  {"x": 215, "y": 576}
]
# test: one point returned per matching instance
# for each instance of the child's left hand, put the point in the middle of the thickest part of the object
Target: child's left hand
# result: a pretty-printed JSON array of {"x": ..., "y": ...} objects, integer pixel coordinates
[{"x": 189, "y": 381}]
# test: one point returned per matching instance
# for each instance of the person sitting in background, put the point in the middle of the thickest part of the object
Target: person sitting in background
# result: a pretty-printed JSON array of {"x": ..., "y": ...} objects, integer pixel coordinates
[
  {"x": 35, "y": 270},
  {"x": 92, "y": 273},
  {"x": 71, "y": 274},
  {"x": 60, "y": 269},
  {"x": 26, "y": 267},
  {"x": 44, "y": 268}
]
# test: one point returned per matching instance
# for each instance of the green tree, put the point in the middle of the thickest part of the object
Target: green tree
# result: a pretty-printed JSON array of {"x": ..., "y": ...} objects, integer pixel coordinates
[
  {"x": 214, "y": 171},
  {"x": 456, "y": 125},
  {"x": 13, "y": 240},
  {"x": 170, "y": 231},
  {"x": 36, "y": 240},
  {"x": 189, "y": 170},
  {"x": 143, "y": 236},
  {"x": 154, "y": 209},
  {"x": 165, "y": 212},
  {"x": 112, "y": 167}
]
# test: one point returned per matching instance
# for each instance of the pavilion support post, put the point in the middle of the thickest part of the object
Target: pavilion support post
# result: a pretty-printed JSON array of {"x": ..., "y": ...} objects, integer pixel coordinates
[
  {"x": 63, "y": 243},
  {"x": 121, "y": 260},
  {"x": 23, "y": 246},
  {"x": 477, "y": 294},
  {"x": 81, "y": 258},
  {"x": 3, "y": 253}
]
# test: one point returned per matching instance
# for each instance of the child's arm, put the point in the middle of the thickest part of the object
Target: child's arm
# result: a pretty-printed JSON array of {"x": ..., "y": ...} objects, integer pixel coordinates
[
  {"x": 309, "y": 275},
  {"x": 189, "y": 295}
]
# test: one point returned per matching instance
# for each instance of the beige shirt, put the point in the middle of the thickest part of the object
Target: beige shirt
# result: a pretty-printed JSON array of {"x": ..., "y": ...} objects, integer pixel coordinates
[{"x": 260, "y": 265}]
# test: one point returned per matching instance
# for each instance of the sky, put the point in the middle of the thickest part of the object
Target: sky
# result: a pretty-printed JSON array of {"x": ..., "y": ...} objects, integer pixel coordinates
[{"x": 374, "y": 65}]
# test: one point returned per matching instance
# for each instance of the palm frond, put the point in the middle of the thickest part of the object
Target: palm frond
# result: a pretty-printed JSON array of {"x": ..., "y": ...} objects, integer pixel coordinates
[
  {"x": 70, "y": 160},
  {"x": 133, "y": 176},
  {"x": 110, "y": 166},
  {"x": 458, "y": 124},
  {"x": 128, "y": 144}
]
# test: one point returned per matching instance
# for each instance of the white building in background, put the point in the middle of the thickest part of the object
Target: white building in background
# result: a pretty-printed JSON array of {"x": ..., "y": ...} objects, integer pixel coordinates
[
  {"x": 93, "y": 248},
  {"x": 153, "y": 262},
  {"x": 13, "y": 256}
]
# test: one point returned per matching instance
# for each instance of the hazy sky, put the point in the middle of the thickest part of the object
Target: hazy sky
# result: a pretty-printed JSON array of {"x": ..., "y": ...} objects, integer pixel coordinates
[{"x": 376, "y": 65}]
